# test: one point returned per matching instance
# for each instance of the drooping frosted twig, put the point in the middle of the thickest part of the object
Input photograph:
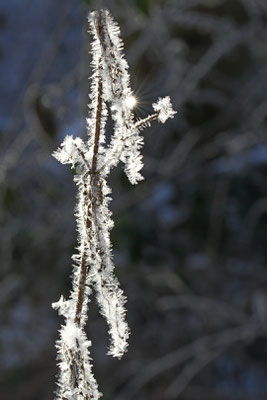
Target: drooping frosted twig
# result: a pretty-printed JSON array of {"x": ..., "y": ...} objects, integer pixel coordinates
[{"x": 93, "y": 160}]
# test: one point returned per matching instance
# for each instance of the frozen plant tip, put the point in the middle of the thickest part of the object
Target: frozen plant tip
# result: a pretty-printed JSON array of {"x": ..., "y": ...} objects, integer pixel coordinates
[
  {"x": 164, "y": 110},
  {"x": 92, "y": 161}
]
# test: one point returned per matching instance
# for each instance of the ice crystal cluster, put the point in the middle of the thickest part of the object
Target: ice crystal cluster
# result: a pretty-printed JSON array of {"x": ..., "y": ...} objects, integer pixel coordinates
[{"x": 92, "y": 161}]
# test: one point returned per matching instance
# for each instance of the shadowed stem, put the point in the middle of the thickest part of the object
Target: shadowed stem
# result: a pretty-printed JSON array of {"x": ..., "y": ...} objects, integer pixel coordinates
[{"x": 81, "y": 289}]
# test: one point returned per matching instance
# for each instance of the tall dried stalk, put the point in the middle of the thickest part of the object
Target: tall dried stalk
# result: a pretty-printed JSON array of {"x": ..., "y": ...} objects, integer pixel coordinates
[{"x": 93, "y": 160}]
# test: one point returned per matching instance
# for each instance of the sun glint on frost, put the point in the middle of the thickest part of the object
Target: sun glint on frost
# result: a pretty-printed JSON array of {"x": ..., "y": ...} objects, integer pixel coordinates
[{"x": 131, "y": 102}]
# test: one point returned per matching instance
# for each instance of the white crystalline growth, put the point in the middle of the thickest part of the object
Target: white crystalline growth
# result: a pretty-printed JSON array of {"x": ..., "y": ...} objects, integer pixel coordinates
[
  {"x": 62, "y": 306},
  {"x": 70, "y": 151},
  {"x": 76, "y": 379},
  {"x": 164, "y": 109}
]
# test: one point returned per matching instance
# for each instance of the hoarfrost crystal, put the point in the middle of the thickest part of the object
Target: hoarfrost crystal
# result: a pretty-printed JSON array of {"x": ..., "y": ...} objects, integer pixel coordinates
[
  {"x": 164, "y": 109},
  {"x": 92, "y": 161}
]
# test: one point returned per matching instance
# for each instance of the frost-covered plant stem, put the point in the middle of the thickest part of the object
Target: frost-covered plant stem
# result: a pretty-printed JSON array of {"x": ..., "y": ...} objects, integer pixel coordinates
[{"x": 92, "y": 161}]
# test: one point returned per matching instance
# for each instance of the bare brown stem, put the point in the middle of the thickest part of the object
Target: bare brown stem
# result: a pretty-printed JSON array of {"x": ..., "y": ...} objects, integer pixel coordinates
[
  {"x": 99, "y": 28},
  {"x": 145, "y": 121},
  {"x": 81, "y": 288},
  {"x": 97, "y": 125}
]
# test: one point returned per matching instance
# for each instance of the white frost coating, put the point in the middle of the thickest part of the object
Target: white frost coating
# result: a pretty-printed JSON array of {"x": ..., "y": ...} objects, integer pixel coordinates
[
  {"x": 76, "y": 381},
  {"x": 70, "y": 151},
  {"x": 92, "y": 161},
  {"x": 62, "y": 306},
  {"x": 164, "y": 109}
]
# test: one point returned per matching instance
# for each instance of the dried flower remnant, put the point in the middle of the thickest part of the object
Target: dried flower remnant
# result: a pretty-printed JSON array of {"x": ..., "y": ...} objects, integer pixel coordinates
[{"x": 92, "y": 161}]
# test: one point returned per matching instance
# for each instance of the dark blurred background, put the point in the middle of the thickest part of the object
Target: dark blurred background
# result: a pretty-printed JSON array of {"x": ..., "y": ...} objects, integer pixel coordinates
[{"x": 189, "y": 242}]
